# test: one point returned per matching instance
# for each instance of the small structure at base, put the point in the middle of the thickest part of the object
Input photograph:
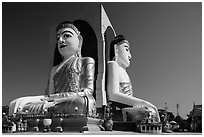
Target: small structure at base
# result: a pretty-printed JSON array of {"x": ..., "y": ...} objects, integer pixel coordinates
[{"x": 149, "y": 128}]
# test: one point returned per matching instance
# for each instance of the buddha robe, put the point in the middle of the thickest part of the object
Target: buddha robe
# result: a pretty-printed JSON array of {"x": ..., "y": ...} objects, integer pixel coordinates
[{"x": 75, "y": 76}]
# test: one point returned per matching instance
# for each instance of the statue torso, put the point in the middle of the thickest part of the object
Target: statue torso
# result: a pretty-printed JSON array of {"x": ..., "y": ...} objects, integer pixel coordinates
[
  {"x": 124, "y": 82},
  {"x": 67, "y": 76}
]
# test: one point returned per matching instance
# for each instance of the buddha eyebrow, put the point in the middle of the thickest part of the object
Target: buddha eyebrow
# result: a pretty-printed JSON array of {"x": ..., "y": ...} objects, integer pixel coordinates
[
  {"x": 68, "y": 32},
  {"x": 126, "y": 46}
]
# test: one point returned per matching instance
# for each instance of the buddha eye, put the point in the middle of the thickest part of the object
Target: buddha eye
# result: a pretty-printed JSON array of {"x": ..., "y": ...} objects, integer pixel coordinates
[
  {"x": 126, "y": 47},
  {"x": 67, "y": 35}
]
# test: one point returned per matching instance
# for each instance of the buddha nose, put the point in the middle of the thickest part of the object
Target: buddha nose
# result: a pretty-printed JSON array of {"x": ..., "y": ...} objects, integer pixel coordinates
[
  {"x": 61, "y": 40},
  {"x": 129, "y": 56}
]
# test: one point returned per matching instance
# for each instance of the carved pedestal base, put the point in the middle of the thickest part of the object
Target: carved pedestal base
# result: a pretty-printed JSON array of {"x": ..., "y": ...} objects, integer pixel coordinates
[
  {"x": 73, "y": 123},
  {"x": 33, "y": 125},
  {"x": 81, "y": 124},
  {"x": 124, "y": 126},
  {"x": 133, "y": 126}
]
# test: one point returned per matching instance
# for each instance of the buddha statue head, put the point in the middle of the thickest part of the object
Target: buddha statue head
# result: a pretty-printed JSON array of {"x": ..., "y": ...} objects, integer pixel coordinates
[
  {"x": 69, "y": 42},
  {"x": 120, "y": 51}
]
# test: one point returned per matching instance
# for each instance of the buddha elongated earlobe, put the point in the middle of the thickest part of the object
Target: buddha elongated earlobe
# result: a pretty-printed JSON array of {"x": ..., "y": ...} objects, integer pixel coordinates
[
  {"x": 78, "y": 53},
  {"x": 80, "y": 45},
  {"x": 116, "y": 52}
]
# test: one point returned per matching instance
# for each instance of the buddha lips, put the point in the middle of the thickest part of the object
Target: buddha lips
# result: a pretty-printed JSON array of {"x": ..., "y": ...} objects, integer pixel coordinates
[{"x": 62, "y": 46}]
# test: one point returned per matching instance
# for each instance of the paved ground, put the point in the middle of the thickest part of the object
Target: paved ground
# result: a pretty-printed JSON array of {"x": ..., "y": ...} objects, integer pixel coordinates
[{"x": 99, "y": 133}]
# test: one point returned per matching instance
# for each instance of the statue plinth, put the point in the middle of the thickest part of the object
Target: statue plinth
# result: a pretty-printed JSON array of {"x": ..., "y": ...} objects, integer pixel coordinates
[
  {"x": 137, "y": 127},
  {"x": 124, "y": 126},
  {"x": 81, "y": 124},
  {"x": 76, "y": 123}
]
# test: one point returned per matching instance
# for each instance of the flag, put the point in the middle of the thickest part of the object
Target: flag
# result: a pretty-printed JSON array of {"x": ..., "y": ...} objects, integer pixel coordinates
[{"x": 105, "y": 22}]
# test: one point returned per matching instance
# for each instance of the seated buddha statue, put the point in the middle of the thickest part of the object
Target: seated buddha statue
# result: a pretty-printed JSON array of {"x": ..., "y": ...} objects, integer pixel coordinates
[
  {"x": 70, "y": 85},
  {"x": 119, "y": 86}
]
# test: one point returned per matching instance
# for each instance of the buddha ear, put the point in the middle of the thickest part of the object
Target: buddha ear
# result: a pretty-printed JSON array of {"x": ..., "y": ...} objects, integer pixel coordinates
[
  {"x": 80, "y": 45},
  {"x": 116, "y": 52},
  {"x": 80, "y": 41}
]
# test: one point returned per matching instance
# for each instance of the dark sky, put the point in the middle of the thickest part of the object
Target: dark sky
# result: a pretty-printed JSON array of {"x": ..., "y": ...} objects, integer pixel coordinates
[{"x": 165, "y": 41}]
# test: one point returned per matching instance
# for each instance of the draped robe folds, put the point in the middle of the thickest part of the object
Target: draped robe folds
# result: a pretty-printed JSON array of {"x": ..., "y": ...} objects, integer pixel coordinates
[
  {"x": 76, "y": 75},
  {"x": 126, "y": 88},
  {"x": 135, "y": 113},
  {"x": 120, "y": 92}
]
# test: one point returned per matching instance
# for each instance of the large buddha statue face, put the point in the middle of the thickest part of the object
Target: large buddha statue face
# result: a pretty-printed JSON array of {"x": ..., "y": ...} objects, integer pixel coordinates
[
  {"x": 68, "y": 42},
  {"x": 123, "y": 54}
]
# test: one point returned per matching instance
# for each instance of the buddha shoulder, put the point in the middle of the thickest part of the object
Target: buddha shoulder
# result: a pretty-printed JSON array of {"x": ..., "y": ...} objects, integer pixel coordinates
[
  {"x": 87, "y": 60},
  {"x": 112, "y": 63}
]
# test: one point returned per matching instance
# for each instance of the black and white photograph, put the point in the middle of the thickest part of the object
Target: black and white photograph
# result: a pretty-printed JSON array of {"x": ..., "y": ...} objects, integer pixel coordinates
[{"x": 101, "y": 68}]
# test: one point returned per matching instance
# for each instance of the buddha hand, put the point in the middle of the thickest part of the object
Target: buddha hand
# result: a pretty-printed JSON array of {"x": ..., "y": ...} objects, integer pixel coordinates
[
  {"x": 82, "y": 94},
  {"x": 154, "y": 114},
  {"x": 22, "y": 101},
  {"x": 48, "y": 105}
]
